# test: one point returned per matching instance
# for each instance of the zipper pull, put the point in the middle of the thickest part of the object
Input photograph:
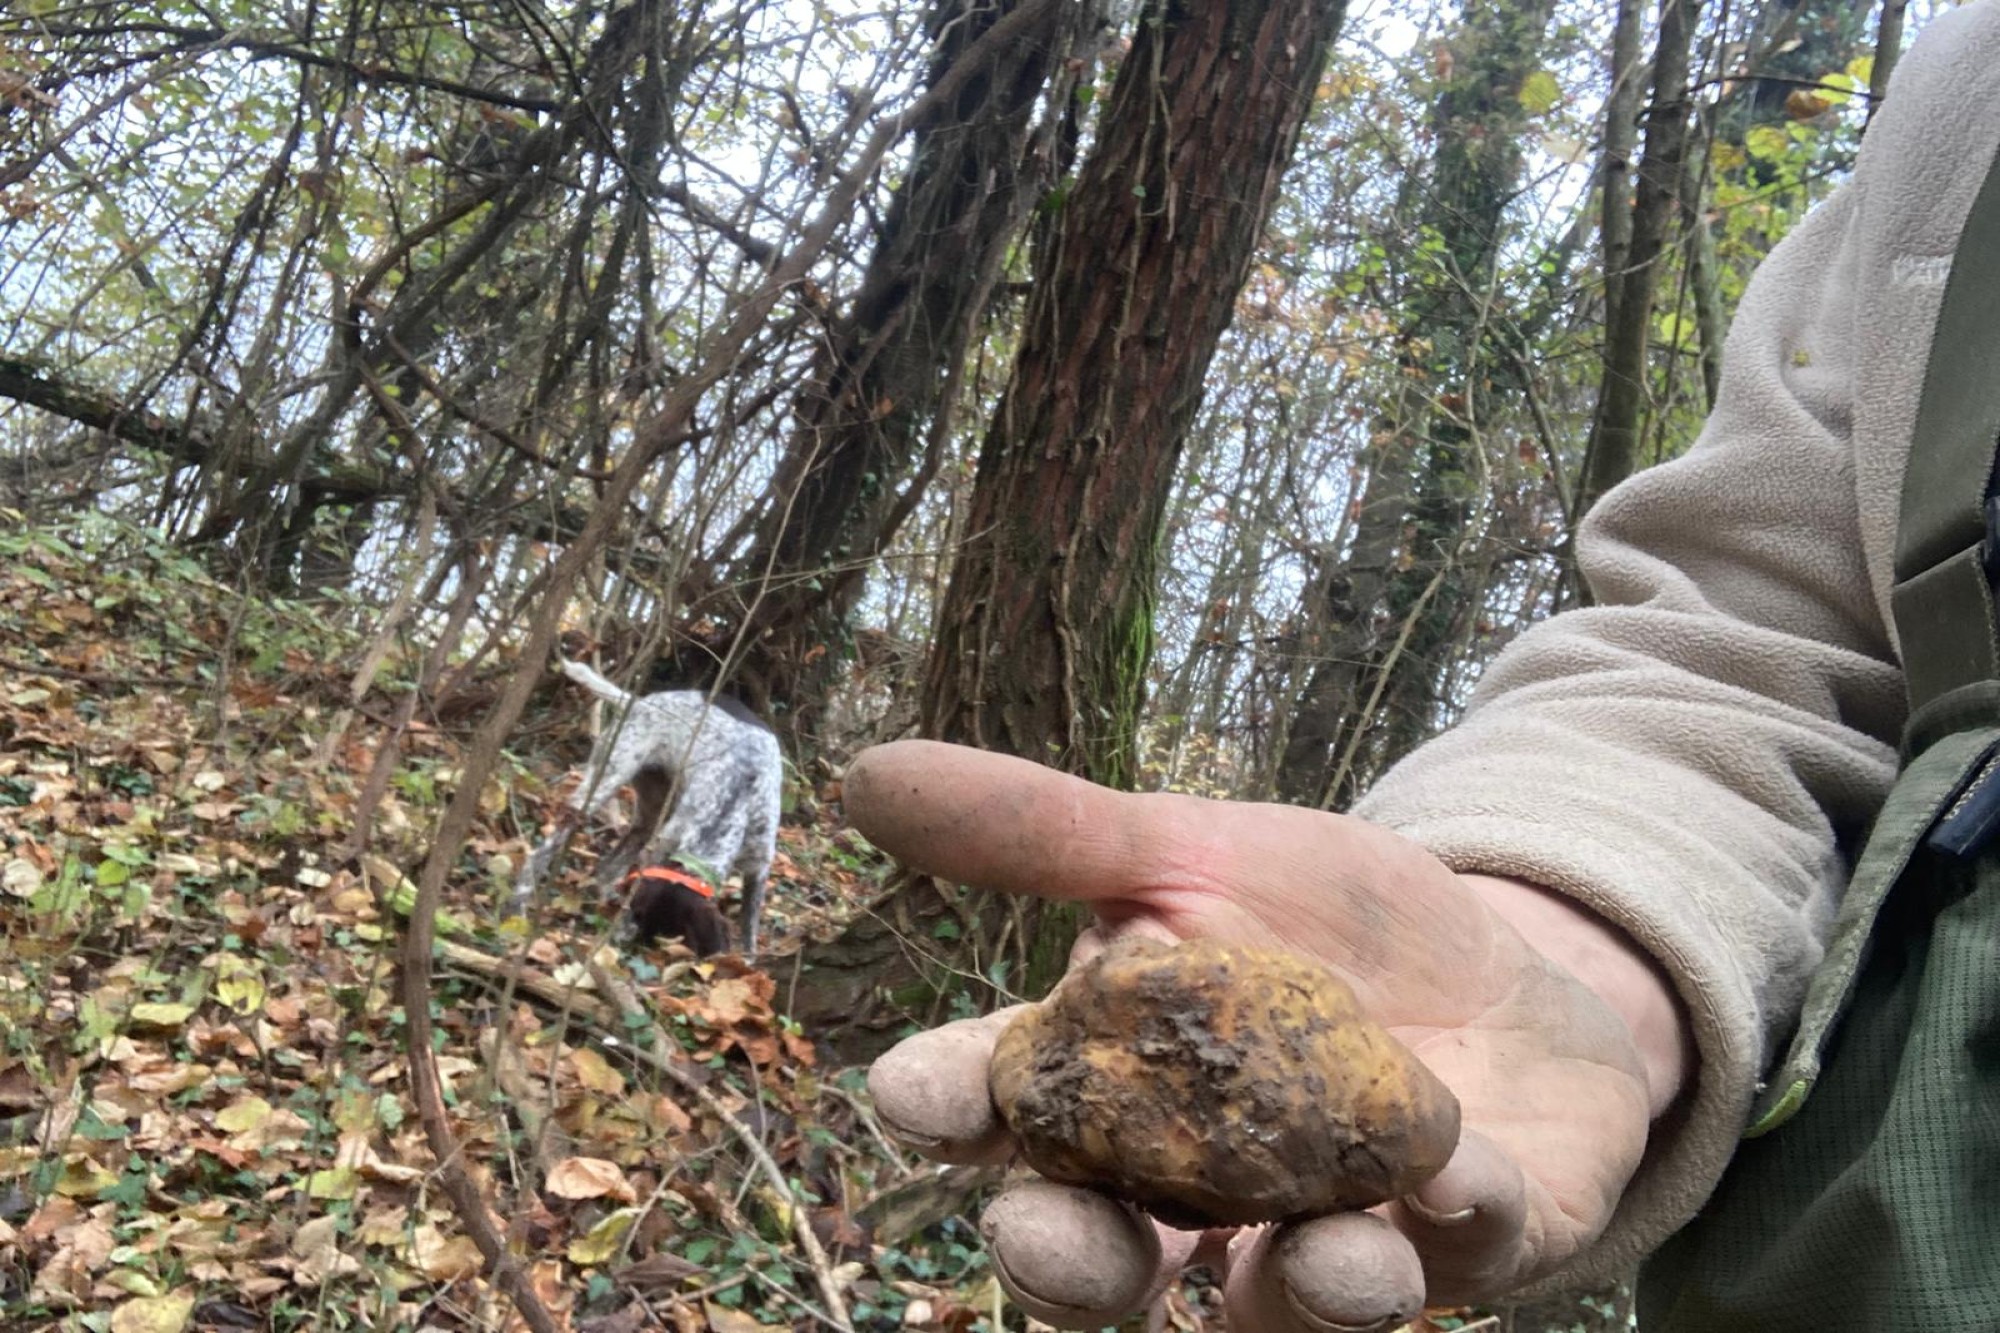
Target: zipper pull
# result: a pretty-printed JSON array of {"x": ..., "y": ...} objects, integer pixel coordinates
[{"x": 1973, "y": 816}]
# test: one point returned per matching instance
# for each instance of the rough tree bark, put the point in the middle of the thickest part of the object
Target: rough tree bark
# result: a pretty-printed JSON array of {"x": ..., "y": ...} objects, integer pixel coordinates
[
  {"x": 882, "y": 382},
  {"x": 1046, "y": 628}
]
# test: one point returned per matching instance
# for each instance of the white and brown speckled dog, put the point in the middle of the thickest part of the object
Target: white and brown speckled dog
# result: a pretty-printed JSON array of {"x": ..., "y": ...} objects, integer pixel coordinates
[{"x": 714, "y": 763}]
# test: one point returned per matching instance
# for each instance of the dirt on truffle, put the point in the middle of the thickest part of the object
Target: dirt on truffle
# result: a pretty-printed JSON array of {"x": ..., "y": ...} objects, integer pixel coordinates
[{"x": 1219, "y": 1085}]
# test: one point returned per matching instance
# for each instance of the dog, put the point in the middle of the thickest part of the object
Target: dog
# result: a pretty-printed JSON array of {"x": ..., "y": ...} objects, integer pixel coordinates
[{"x": 715, "y": 764}]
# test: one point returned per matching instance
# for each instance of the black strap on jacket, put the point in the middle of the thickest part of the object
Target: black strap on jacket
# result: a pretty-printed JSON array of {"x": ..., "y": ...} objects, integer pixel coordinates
[{"x": 1948, "y": 538}]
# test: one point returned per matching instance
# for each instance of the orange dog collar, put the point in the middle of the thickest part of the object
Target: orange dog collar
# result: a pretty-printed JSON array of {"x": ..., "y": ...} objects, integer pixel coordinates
[{"x": 669, "y": 875}]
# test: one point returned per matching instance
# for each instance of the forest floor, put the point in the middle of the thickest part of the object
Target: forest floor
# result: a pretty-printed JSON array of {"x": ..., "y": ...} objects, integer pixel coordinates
[{"x": 206, "y": 1117}]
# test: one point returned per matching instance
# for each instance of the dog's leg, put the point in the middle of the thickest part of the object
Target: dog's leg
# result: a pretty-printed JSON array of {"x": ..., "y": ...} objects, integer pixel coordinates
[
  {"x": 753, "y": 905},
  {"x": 760, "y": 837},
  {"x": 757, "y": 844}
]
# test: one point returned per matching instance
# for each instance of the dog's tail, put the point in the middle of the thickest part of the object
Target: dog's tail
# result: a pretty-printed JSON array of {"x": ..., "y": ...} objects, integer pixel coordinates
[{"x": 595, "y": 683}]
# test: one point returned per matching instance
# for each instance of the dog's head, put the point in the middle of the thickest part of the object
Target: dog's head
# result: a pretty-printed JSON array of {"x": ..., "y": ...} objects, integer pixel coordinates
[{"x": 662, "y": 902}]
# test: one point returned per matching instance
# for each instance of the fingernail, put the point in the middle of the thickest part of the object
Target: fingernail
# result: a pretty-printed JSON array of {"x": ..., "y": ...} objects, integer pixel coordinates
[
  {"x": 1070, "y": 1257},
  {"x": 1439, "y": 1217}
]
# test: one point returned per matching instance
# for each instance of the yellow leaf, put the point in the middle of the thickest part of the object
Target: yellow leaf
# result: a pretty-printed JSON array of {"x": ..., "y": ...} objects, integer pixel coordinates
[
  {"x": 239, "y": 984},
  {"x": 780, "y": 1207},
  {"x": 338, "y": 1182},
  {"x": 589, "y": 1178},
  {"x": 354, "y": 1112},
  {"x": 603, "y": 1241},
  {"x": 132, "y": 1282},
  {"x": 242, "y": 1114},
  {"x": 1540, "y": 92},
  {"x": 279, "y": 1130},
  {"x": 154, "y": 1014},
  {"x": 595, "y": 1072},
  {"x": 153, "y": 1314},
  {"x": 82, "y": 1178},
  {"x": 1766, "y": 142}
]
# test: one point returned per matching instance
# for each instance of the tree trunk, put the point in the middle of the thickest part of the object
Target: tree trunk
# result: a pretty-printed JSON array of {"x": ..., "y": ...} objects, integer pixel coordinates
[
  {"x": 1888, "y": 49},
  {"x": 1383, "y": 617},
  {"x": 1613, "y": 451},
  {"x": 1621, "y": 138},
  {"x": 1711, "y": 322},
  {"x": 1046, "y": 629},
  {"x": 881, "y": 384}
]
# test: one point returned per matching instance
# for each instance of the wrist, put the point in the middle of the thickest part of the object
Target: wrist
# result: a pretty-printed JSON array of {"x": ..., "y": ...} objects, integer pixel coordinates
[{"x": 1611, "y": 965}]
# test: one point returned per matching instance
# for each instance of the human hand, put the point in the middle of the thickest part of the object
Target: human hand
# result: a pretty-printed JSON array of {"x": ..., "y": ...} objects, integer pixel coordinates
[{"x": 1555, "y": 1092}]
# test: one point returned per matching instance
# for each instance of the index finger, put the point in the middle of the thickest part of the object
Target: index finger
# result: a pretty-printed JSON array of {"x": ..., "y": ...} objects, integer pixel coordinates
[{"x": 998, "y": 822}]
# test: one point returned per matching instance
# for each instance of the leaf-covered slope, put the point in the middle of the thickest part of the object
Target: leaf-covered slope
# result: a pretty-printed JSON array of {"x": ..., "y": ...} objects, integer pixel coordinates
[{"x": 205, "y": 1117}]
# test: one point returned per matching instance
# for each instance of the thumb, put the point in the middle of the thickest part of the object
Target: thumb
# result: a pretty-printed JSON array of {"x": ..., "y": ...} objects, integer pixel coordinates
[{"x": 998, "y": 822}]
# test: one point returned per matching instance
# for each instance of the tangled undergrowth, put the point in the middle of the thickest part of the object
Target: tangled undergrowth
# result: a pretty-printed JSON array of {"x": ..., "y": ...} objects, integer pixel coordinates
[{"x": 205, "y": 1118}]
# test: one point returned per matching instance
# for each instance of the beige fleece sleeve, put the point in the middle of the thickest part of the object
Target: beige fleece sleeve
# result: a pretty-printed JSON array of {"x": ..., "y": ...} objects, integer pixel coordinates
[{"x": 1695, "y": 757}]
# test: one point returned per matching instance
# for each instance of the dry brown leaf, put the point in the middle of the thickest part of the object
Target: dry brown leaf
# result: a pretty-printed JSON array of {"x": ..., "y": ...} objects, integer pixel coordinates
[
  {"x": 659, "y": 1272},
  {"x": 316, "y": 1245},
  {"x": 733, "y": 1001},
  {"x": 589, "y": 1178},
  {"x": 593, "y": 1071},
  {"x": 384, "y": 1227},
  {"x": 722, "y": 1319},
  {"x": 444, "y": 1258}
]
